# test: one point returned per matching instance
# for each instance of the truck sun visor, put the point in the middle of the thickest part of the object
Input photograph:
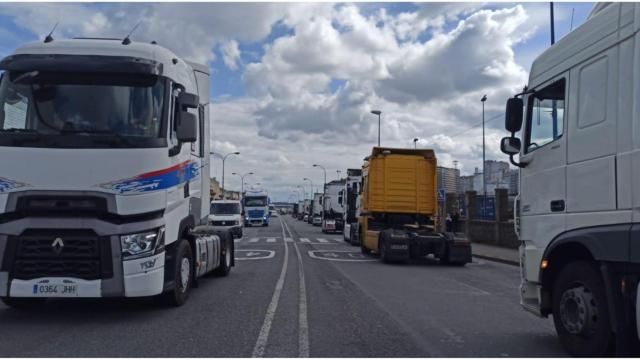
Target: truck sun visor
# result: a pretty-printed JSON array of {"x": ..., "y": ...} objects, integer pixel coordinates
[{"x": 83, "y": 63}]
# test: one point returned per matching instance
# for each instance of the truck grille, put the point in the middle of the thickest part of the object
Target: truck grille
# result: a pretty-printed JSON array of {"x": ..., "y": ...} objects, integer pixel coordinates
[
  {"x": 79, "y": 254},
  {"x": 254, "y": 214}
]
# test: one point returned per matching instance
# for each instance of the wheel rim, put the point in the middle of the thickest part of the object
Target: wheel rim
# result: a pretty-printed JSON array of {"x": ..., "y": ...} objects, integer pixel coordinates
[
  {"x": 579, "y": 311},
  {"x": 185, "y": 270}
]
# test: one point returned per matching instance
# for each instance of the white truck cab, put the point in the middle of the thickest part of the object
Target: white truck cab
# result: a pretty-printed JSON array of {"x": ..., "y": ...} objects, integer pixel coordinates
[
  {"x": 104, "y": 191},
  {"x": 227, "y": 215},
  {"x": 352, "y": 203},
  {"x": 579, "y": 160}
]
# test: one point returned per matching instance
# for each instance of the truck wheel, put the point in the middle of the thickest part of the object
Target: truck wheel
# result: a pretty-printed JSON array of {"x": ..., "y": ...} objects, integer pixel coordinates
[
  {"x": 23, "y": 303},
  {"x": 580, "y": 312},
  {"x": 382, "y": 248},
  {"x": 182, "y": 275},
  {"x": 226, "y": 253}
]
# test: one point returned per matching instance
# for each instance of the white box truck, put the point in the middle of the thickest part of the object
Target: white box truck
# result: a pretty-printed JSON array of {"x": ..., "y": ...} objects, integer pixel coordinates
[
  {"x": 104, "y": 187},
  {"x": 579, "y": 157},
  {"x": 333, "y": 207}
]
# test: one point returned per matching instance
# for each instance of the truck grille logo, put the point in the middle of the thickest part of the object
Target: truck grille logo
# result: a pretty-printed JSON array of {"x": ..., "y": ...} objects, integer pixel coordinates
[{"x": 57, "y": 245}]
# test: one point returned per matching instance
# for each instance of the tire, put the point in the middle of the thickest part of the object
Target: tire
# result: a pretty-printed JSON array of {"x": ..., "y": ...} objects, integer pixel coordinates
[
  {"x": 23, "y": 303},
  {"x": 226, "y": 255},
  {"x": 182, "y": 267},
  {"x": 580, "y": 311},
  {"x": 363, "y": 248}
]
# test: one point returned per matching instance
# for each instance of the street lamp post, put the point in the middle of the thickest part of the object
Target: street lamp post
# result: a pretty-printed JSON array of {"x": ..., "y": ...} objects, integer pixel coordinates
[
  {"x": 242, "y": 180},
  {"x": 224, "y": 158},
  {"x": 377, "y": 112},
  {"x": 415, "y": 143},
  {"x": 324, "y": 187},
  {"x": 311, "y": 183},
  {"x": 484, "y": 173}
]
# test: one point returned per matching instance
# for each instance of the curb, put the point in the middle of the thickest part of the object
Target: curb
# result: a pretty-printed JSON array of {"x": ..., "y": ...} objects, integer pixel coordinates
[{"x": 497, "y": 259}]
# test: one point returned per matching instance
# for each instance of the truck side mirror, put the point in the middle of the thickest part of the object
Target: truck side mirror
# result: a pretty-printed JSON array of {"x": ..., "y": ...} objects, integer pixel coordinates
[
  {"x": 513, "y": 115},
  {"x": 510, "y": 145},
  {"x": 187, "y": 130}
]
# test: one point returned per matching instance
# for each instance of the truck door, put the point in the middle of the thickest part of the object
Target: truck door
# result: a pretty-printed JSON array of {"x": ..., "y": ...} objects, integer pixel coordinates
[{"x": 543, "y": 180}]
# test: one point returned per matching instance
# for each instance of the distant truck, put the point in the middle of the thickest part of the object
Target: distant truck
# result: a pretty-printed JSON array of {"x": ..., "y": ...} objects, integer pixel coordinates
[
  {"x": 579, "y": 157},
  {"x": 307, "y": 209},
  {"x": 256, "y": 208},
  {"x": 316, "y": 210},
  {"x": 333, "y": 207},
  {"x": 351, "y": 200},
  {"x": 227, "y": 215},
  {"x": 399, "y": 206},
  {"x": 104, "y": 187}
]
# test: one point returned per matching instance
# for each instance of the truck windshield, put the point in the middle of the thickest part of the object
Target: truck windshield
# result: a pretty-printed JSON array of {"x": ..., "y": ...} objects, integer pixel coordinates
[
  {"x": 255, "y": 201},
  {"x": 225, "y": 208},
  {"x": 40, "y": 109}
]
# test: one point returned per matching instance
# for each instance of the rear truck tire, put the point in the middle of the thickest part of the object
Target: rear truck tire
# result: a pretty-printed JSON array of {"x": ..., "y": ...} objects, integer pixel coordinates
[
  {"x": 455, "y": 254},
  {"x": 387, "y": 254},
  {"x": 23, "y": 303},
  {"x": 580, "y": 311},
  {"x": 355, "y": 237},
  {"x": 226, "y": 255},
  {"x": 363, "y": 249},
  {"x": 182, "y": 275}
]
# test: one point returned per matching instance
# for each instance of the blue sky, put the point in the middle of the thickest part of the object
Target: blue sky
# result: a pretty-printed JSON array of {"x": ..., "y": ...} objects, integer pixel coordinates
[{"x": 294, "y": 84}]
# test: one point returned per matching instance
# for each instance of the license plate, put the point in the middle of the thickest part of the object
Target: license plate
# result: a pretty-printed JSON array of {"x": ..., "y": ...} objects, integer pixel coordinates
[{"x": 55, "y": 290}]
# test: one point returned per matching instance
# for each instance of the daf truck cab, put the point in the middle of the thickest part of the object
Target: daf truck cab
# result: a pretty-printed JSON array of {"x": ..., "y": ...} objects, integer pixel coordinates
[
  {"x": 575, "y": 131},
  {"x": 104, "y": 187},
  {"x": 352, "y": 202},
  {"x": 256, "y": 208},
  {"x": 333, "y": 207}
]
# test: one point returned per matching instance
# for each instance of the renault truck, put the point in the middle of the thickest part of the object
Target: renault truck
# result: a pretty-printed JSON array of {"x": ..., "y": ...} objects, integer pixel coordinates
[
  {"x": 104, "y": 187},
  {"x": 576, "y": 141},
  {"x": 399, "y": 207}
]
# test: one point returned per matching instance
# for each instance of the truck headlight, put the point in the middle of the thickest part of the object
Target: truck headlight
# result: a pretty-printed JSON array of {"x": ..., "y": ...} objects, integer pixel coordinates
[{"x": 142, "y": 244}]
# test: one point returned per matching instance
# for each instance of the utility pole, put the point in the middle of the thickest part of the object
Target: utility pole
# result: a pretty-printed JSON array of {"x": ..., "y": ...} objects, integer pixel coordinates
[
  {"x": 484, "y": 173},
  {"x": 553, "y": 31}
]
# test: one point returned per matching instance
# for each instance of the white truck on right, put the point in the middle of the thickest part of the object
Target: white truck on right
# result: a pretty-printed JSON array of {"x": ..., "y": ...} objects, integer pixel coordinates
[{"x": 578, "y": 211}]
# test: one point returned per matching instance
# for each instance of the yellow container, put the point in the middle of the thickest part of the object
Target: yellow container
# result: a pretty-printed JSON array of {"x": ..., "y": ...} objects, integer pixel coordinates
[{"x": 400, "y": 181}]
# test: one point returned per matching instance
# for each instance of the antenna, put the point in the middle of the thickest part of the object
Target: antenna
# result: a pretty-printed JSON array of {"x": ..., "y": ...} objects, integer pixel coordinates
[
  {"x": 49, "y": 38},
  {"x": 126, "y": 40},
  {"x": 572, "y": 11}
]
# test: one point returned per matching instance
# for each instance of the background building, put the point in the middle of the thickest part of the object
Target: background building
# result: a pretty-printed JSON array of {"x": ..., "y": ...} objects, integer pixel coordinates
[{"x": 448, "y": 179}]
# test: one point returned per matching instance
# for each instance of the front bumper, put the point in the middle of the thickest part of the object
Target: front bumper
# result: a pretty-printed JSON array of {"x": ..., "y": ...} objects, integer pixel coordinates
[
  {"x": 141, "y": 277},
  {"x": 114, "y": 277}
]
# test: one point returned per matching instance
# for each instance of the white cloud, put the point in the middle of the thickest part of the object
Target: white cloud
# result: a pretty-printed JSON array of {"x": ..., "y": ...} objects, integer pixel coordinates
[{"x": 231, "y": 54}]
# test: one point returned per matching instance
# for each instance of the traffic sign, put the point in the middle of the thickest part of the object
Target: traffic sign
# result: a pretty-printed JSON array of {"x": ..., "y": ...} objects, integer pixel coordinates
[{"x": 441, "y": 194}]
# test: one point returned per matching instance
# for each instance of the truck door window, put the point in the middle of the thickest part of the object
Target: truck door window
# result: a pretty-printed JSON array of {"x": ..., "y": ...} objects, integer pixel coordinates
[{"x": 545, "y": 115}]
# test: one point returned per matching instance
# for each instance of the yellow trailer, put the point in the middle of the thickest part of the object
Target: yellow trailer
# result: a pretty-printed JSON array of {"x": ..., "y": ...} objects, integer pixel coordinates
[{"x": 399, "y": 207}]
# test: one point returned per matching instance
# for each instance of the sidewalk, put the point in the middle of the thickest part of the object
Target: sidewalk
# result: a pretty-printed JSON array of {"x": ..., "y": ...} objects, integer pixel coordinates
[{"x": 495, "y": 253}]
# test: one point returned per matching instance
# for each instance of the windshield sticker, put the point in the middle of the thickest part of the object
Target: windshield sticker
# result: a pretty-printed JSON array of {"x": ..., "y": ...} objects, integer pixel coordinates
[{"x": 155, "y": 180}]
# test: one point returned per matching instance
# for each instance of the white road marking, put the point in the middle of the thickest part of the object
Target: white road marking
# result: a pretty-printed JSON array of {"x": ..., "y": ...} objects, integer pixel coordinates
[
  {"x": 303, "y": 322},
  {"x": 288, "y": 239},
  {"x": 254, "y": 240},
  {"x": 322, "y": 240},
  {"x": 254, "y": 254},
  {"x": 237, "y": 240},
  {"x": 332, "y": 255},
  {"x": 305, "y": 240},
  {"x": 263, "y": 337},
  {"x": 271, "y": 240}
]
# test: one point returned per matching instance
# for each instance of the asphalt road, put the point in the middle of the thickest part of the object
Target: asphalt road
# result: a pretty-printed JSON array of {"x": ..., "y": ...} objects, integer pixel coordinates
[{"x": 296, "y": 292}]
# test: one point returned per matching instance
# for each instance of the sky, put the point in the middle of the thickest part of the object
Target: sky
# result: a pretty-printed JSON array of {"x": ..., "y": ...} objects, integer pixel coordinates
[{"x": 293, "y": 84}]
